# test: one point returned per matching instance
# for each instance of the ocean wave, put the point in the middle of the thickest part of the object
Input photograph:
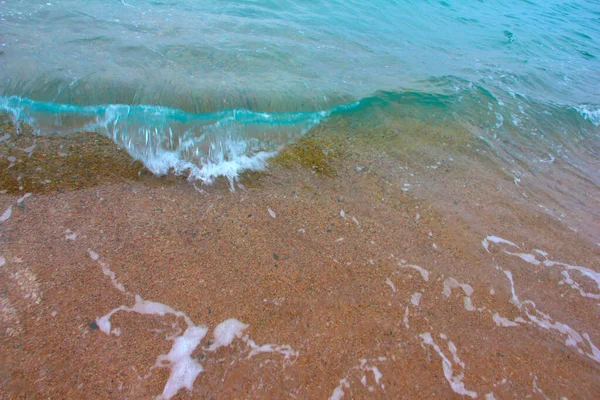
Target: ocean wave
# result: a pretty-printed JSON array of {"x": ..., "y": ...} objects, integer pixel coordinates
[
  {"x": 589, "y": 113},
  {"x": 203, "y": 146}
]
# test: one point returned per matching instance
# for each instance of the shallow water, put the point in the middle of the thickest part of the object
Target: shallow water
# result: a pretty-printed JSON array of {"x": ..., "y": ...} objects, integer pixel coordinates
[
  {"x": 235, "y": 81},
  {"x": 440, "y": 238}
]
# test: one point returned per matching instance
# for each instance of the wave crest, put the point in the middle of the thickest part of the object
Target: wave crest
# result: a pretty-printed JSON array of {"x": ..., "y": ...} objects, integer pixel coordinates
[{"x": 203, "y": 146}]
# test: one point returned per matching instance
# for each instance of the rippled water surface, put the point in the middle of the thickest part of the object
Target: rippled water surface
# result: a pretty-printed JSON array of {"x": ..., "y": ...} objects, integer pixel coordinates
[{"x": 233, "y": 81}]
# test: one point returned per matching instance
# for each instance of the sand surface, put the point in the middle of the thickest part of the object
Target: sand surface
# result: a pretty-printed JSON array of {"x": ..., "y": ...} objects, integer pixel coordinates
[{"x": 373, "y": 281}]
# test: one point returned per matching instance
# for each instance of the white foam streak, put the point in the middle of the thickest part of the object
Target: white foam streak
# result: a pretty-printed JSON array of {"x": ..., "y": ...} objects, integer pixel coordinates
[
  {"x": 285, "y": 350},
  {"x": 532, "y": 259},
  {"x": 588, "y": 273},
  {"x": 514, "y": 298},
  {"x": 455, "y": 381},
  {"x": 6, "y": 215},
  {"x": 544, "y": 321},
  {"x": 424, "y": 273},
  {"x": 390, "y": 284},
  {"x": 452, "y": 283},
  {"x": 105, "y": 269},
  {"x": 184, "y": 369},
  {"x": 338, "y": 392},
  {"x": 226, "y": 332},
  {"x": 495, "y": 239},
  {"x": 22, "y": 199},
  {"x": 415, "y": 298},
  {"x": 503, "y": 321},
  {"x": 590, "y": 114},
  {"x": 405, "y": 319}
]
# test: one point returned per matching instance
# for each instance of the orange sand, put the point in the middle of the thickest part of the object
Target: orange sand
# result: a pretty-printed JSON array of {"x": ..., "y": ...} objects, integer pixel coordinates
[{"x": 337, "y": 289}]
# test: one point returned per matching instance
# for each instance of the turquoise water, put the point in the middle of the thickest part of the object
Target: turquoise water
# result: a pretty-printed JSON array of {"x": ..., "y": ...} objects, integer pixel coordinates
[{"x": 214, "y": 87}]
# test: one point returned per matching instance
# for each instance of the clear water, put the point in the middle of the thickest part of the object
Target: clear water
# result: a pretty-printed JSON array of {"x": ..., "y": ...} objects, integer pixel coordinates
[{"x": 214, "y": 87}]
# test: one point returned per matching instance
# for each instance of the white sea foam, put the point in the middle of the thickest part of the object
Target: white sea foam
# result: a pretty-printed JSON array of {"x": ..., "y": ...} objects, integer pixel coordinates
[
  {"x": 226, "y": 332},
  {"x": 532, "y": 259},
  {"x": 545, "y": 321},
  {"x": 22, "y": 199},
  {"x": 105, "y": 269},
  {"x": 424, "y": 273},
  {"x": 365, "y": 366},
  {"x": 452, "y": 283},
  {"x": 202, "y": 146},
  {"x": 390, "y": 284},
  {"x": 455, "y": 381},
  {"x": 6, "y": 215},
  {"x": 503, "y": 321},
  {"x": 338, "y": 392},
  {"x": 590, "y": 114},
  {"x": 284, "y": 349},
  {"x": 495, "y": 239},
  {"x": 183, "y": 368},
  {"x": 415, "y": 298}
]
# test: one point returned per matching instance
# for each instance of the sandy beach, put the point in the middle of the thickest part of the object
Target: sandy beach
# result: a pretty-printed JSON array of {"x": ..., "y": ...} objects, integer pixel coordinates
[{"x": 356, "y": 276}]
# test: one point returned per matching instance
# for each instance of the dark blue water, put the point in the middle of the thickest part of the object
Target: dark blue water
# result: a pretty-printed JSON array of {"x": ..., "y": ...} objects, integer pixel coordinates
[{"x": 212, "y": 87}]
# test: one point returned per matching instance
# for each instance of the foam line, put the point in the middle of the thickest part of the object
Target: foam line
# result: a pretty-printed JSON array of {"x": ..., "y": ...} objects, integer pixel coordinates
[
  {"x": 424, "y": 273},
  {"x": 452, "y": 283},
  {"x": 226, "y": 332},
  {"x": 532, "y": 259},
  {"x": 338, "y": 392},
  {"x": 495, "y": 239},
  {"x": 544, "y": 321},
  {"x": 455, "y": 381},
  {"x": 6, "y": 215},
  {"x": 184, "y": 368}
]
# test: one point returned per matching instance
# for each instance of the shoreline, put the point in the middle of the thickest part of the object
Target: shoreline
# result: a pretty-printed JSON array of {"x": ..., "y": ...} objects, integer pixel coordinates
[{"x": 323, "y": 260}]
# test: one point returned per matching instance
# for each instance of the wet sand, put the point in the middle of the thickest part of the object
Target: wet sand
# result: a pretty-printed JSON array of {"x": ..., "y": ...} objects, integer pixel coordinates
[{"x": 371, "y": 278}]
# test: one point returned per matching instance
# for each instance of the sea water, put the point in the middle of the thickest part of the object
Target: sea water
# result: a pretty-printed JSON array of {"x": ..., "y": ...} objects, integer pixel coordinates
[{"x": 212, "y": 88}]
